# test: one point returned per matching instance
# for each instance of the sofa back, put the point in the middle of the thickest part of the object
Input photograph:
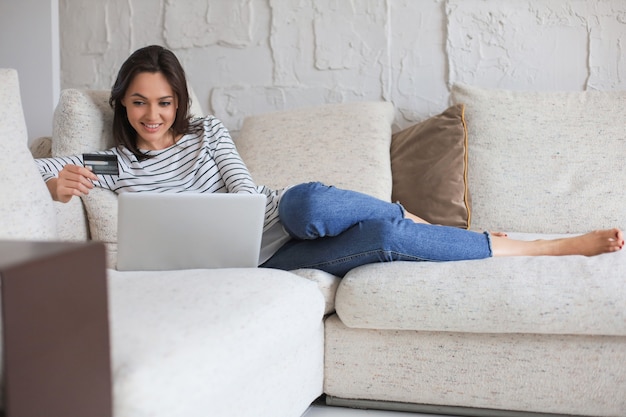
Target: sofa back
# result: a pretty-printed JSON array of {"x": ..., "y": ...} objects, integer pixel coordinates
[
  {"x": 26, "y": 209},
  {"x": 545, "y": 162}
]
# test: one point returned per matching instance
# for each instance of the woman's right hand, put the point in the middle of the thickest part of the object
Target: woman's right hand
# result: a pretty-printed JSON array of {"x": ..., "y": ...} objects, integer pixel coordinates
[{"x": 73, "y": 180}]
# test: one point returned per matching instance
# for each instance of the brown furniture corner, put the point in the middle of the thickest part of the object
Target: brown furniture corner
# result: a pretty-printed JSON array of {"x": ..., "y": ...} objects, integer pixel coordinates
[{"x": 56, "y": 353}]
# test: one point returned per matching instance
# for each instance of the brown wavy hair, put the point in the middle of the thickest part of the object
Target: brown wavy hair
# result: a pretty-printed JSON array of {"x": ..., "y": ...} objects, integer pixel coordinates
[{"x": 150, "y": 59}]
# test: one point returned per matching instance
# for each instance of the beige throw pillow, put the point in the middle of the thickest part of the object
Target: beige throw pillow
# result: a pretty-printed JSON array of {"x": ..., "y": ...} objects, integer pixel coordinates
[{"x": 429, "y": 168}]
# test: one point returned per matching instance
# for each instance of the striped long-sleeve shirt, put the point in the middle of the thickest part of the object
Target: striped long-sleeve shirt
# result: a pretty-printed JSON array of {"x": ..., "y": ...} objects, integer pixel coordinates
[{"x": 207, "y": 162}]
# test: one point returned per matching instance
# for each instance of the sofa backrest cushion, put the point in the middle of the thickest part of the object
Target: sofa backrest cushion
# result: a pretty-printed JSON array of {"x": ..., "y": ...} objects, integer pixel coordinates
[
  {"x": 345, "y": 145},
  {"x": 26, "y": 207},
  {"x": 545, "y": 162}
]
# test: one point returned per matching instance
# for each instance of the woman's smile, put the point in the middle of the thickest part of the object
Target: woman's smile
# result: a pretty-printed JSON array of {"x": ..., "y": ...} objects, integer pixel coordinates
[{"x": 152, "y": 127}]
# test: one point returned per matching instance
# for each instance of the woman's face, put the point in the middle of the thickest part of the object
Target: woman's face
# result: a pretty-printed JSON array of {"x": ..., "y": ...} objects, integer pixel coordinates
[{"x": 151, "y": 107}]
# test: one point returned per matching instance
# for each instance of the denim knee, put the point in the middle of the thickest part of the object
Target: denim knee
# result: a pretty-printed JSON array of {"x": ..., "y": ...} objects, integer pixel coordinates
[
  {"x": 314, "y": 210},
  {"x": 298, "y": 207}
]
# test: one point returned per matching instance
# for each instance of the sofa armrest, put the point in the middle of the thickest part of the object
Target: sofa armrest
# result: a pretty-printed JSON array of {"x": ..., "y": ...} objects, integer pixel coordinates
[{"x": 72, "y": 224}]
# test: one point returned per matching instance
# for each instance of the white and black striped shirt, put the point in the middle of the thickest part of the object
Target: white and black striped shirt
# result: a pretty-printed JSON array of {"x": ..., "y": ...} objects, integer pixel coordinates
[{"x": 207, "y": 162}]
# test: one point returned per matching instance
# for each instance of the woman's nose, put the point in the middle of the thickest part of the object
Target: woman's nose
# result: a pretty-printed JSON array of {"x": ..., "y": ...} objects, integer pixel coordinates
[{"x": 153, "y": 111}]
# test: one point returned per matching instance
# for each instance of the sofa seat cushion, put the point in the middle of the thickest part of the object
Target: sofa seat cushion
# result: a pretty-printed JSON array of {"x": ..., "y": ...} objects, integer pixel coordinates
[
  {"x": 543, "y": 295},
  {"x": 215, "y": 342},
  {"x": 545, "y": 162},
  {"x": 327, "y": 284}
]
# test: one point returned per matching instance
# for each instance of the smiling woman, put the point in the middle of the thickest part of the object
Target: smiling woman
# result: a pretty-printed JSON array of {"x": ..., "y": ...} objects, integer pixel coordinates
[{"x": 310, "y": 225}]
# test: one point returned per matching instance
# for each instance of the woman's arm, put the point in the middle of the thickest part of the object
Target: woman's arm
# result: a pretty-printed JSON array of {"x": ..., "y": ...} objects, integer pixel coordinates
[
  {"x": 66, "y": 177},
  {"x": 233, "y": 170}
]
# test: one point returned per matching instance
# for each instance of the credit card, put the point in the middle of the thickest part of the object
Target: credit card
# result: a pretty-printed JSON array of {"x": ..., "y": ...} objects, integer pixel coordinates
[{"x": 101, "y": 164}]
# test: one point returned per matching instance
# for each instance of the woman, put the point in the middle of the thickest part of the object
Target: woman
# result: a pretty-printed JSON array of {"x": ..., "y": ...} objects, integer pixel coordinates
[{"x": 306, "y": 226}]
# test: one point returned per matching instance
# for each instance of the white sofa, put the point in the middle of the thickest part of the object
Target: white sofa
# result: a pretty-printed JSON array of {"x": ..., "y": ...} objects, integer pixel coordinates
[
  {"x": 543, "y": 335},
  {"x": 183, "y": 343},
  {"x": 516, "y": 335}
]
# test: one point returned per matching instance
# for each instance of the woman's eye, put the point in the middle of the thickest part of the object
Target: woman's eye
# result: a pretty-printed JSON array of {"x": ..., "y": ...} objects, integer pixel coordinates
[
  {"x": 165, "y": 103},
  {"x": 137, "y": 103}
]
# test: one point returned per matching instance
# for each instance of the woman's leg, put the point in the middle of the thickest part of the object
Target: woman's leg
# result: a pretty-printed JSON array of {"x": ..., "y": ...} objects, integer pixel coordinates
[
  {"x": 373, "y": 241},
  {"x": 336, "y": 230},
  {"x": 376, "y": 241},
  {"x": 590, "y": 244}
]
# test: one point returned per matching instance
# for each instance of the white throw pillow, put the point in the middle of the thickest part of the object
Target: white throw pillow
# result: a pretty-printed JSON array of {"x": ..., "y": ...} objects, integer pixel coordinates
[
  {"x": 545, "y": 162},
  {"x": 26, "y": 207},
  {"x": 346, "y": 145},
  {"x": 83, "y": 122}
]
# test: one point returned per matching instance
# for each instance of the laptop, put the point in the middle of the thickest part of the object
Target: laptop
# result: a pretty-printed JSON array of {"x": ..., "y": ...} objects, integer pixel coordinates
[{"x": 158, "y": 231}]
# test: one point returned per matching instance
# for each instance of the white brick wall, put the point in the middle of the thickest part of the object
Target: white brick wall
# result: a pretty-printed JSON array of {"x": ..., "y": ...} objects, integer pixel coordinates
[{"x": 252, "y": 56}]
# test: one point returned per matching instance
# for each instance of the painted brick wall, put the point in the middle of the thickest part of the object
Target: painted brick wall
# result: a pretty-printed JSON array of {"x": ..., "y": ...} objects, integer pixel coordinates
[{"x": 253, "y": 56}]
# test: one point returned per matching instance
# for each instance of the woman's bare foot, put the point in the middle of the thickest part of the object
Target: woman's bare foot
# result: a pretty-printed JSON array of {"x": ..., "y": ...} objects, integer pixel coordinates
[
  {"x": 593, "y": 243},
  {"x": 589, "y": 244}
]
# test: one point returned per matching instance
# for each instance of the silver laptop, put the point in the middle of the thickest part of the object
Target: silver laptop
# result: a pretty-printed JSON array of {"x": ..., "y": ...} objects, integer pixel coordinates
[{"x": 159, "y": 231}]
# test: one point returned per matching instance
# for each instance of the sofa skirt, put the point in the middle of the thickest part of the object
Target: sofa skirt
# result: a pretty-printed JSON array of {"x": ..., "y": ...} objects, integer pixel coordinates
[{"x": 561, "y": 374}]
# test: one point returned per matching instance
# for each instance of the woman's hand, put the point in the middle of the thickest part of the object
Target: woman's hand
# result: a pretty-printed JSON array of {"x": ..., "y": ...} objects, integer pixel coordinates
[{"x": 73, "y": 180}]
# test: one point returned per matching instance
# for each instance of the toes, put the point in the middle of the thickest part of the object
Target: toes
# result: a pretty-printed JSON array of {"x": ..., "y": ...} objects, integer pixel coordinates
[{"x": 619, "y": 238}]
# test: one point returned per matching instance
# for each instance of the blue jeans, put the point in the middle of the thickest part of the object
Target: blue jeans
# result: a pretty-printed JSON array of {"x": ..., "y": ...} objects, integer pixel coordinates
[{"x": 337, "y": 230}]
